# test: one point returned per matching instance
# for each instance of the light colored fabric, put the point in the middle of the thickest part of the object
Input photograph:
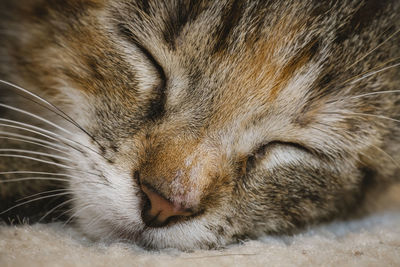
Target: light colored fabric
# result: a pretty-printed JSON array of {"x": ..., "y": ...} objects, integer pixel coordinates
[{"x": 371, "y": 241}]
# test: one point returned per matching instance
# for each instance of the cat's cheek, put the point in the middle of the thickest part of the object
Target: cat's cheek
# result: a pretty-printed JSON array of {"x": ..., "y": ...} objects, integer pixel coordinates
[
  {"x": 296, "y": 193},
  {"x": 104, "y": 198}
]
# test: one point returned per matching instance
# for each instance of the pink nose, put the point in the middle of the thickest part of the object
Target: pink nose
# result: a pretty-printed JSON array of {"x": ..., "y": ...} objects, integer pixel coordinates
[{"x": 161, "y": 209}]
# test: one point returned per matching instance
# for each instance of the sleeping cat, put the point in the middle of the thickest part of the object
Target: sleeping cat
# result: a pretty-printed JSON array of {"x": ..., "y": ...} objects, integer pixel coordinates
[{"x": 193, "y": 124}]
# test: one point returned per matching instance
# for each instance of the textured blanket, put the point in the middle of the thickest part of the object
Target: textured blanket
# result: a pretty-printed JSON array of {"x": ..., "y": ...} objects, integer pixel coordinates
[{"x": 370, "y": 241}]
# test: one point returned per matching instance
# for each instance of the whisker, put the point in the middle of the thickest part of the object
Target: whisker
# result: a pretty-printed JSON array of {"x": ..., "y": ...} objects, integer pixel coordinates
[
  {"x": 30, "y": 126},
  {"x": 76, "y": 213},
  {"x": 35, "y": 159},
  {"x": 30, "y": 129},
  {"x": 43, "y": 193},
  {"x": 373, "y": 115},
  {"x": 372, "y": 50},
  {"x": 30, "y": 138},
  {"x": 44, "y": 178},
  {"x": 38, "y": 133},
  {"x": 378, "y": 67},
  {"x": 35, "y": 153},
  {"x": 375, "y": 72},
  {"x": 52, "y": 178},
  {"x": 48, "y": 162},
  {"x": 376, "y": 147},
  {"x": 56, "y": 207},
  {"x": 34, "y": 143},
  {"x": 44, "y": 133},
  {"x": 363, "y": 75},
  {"x": 363, "y": 114},
  {"x": 47, "y": 173},
  {"x": 36, "y": 117},
  {"x": 61, "y": 113},
  {"x": 33, "y": 179},
  {"x": 32, "y": 200},
  {"x": 35, "y": 172},
  {"x": 95, "y": 219},
  {"x": 64, "y": 213},
  {"x": 375, "y": 93}
]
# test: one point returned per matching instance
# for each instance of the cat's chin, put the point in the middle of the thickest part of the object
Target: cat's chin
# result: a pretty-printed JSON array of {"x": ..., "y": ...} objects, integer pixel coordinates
[{"x": 183, "y": 236}]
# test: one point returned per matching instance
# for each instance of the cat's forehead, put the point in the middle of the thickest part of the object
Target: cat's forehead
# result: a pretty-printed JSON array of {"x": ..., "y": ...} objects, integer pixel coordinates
[
  {"x": 223, "y": 49},
  {"x": 210, "y": 31}
]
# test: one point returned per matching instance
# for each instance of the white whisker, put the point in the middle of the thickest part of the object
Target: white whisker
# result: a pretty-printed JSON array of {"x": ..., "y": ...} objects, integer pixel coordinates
[
  {"x": 33, "y": 179},
  {"x": 43, "y": 193},
  {"x": 43, "y": 178},
  {"x": 43, "y": 132},
  {"x": 52, "y": 174},
  {"x": 48, "y": 162},
  {"x": 36, "y": 159},
  {"x": 92, "y": 221},
  {"x": 36, "y": 117},
  {"x": 55, "y": 139},
  {"x": 35, "y": 153},
  {"x": 76, "y": 213},
  {"x": 375, "y": 93},
  {"x": 34, "y": 143},
  {"x": 61, "y": 113},
  {"x": 32, "y": 200},
  {"x": 30, "y": 138},
  {"x": 362, "y": 75},
  {"x": 56, "y": 207},
  {"x": 374, "y": 49},
  {"x": 375, "y": 72},
  {"x": 34, "y": 172},
  {"x": 29, "y": 130},
  {"x": 373, "y": 115},
  {"x": 41, "y": 99},
  {"x": 380, "y": 66}
]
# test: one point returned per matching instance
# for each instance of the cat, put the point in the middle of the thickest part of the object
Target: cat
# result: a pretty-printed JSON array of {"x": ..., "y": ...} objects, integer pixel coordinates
[{"x": 195, "y": 124}]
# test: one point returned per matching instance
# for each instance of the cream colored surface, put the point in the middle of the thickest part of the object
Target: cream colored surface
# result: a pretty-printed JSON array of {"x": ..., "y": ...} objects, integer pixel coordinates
[{"x": 370, "y": 241}]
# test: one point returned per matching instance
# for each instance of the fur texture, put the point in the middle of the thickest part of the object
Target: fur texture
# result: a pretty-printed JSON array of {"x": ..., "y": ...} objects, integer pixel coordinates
[{"x": 255, "y": 117}]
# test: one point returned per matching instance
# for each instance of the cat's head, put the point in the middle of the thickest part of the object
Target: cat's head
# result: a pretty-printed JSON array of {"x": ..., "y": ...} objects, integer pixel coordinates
[{"x": 201, "y": 122}]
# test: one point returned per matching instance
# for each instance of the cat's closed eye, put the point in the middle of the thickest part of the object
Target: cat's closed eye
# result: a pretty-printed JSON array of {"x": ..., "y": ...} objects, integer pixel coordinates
[{"x": 270, "y": 148}]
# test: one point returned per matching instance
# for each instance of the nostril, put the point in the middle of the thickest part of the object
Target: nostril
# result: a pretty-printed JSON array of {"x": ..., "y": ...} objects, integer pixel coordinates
[{"x": 158, "y": 211}]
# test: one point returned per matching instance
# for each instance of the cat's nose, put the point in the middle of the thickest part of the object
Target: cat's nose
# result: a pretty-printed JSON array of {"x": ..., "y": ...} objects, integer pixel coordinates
[{"x": 159, "y": 210}]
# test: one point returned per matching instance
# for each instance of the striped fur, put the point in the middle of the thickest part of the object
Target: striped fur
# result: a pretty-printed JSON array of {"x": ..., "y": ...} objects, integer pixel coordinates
[{"x": 258, "y": 116}]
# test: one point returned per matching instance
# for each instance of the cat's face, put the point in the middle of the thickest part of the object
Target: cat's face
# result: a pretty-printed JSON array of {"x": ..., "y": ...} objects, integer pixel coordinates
[{"x": 210, "y": 121}]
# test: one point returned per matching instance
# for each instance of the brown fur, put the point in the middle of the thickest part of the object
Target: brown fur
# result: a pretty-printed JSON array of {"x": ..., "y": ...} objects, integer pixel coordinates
[{"x": 259, "y": 116}]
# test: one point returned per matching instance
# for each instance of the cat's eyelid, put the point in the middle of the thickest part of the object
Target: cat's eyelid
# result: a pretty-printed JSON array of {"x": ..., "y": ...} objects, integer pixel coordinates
[
  {"x": 157, "y": 105},
  {"x": 133, "y": 40},
  {"x": 262, "y": 149},
  {"x": 261, "y": 152}
]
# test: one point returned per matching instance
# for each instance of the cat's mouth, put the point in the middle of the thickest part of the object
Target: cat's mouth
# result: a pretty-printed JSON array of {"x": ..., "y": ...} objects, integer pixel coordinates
[{"x": 182, "y": 233}]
